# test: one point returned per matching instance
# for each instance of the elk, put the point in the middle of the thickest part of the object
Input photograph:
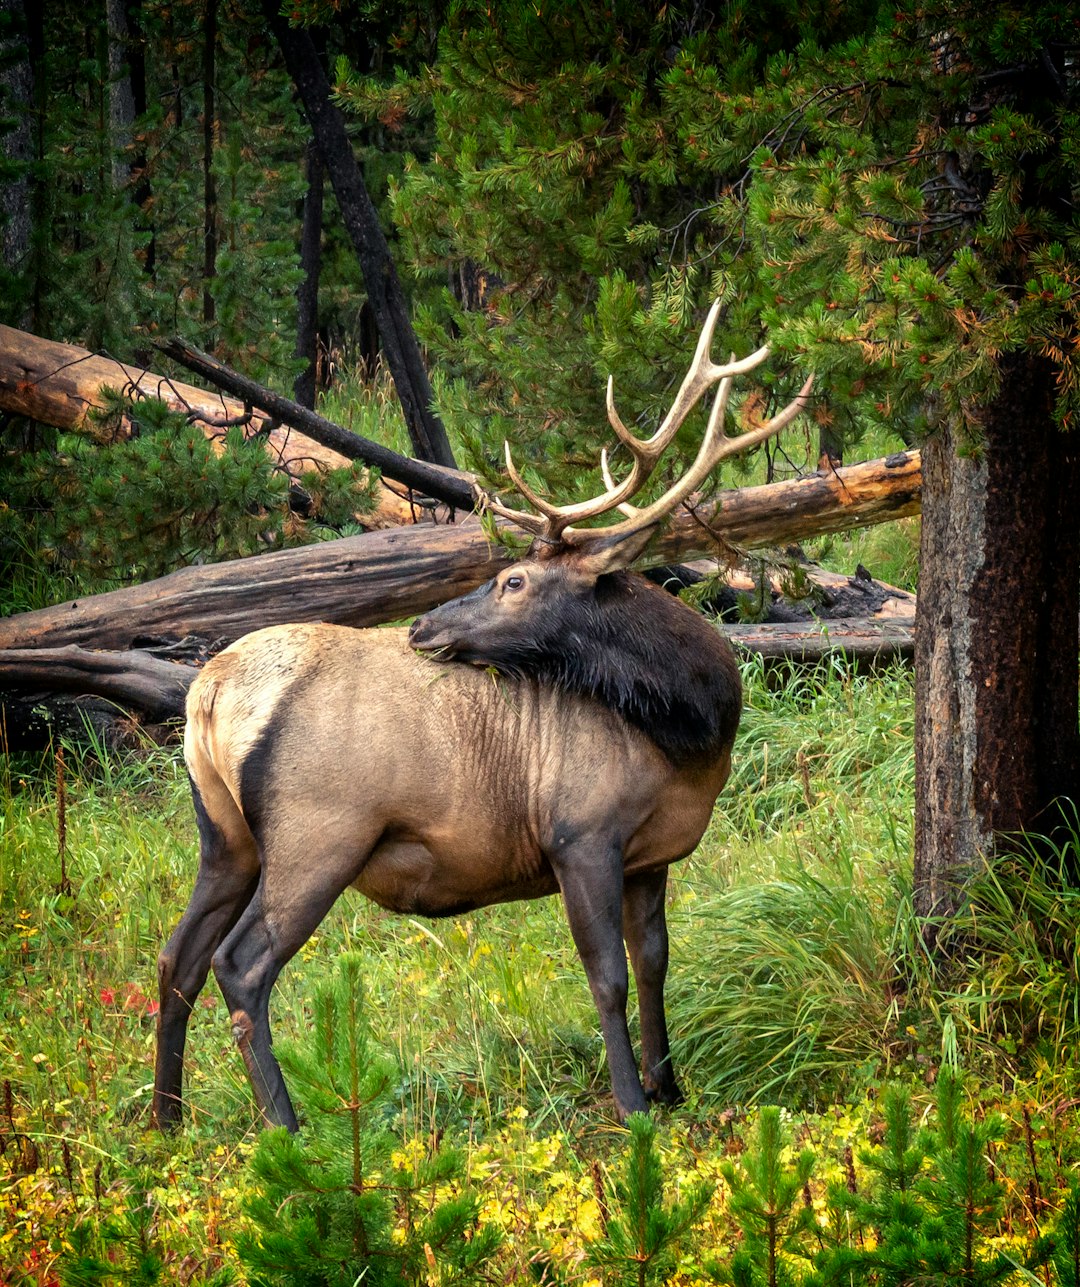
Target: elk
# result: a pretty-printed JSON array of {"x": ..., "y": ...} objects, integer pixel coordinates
[{"x": 565, "y": 728}]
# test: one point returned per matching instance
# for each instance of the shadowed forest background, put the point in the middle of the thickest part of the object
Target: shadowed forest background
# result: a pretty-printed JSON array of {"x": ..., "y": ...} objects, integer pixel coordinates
[{"x": 443, "y": 226}]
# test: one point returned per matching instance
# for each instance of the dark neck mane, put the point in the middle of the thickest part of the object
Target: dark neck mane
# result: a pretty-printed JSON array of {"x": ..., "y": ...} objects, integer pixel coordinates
[{"x": 652, "y": 660}]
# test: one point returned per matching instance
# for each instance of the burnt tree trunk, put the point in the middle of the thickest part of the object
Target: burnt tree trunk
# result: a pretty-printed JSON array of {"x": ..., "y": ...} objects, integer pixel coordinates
[
  {"x": 361, "y": 220},
  {"x": 996, "y": 743},
  {"x": 16, "y": 103},
  {"x": 307, "y": 294}
]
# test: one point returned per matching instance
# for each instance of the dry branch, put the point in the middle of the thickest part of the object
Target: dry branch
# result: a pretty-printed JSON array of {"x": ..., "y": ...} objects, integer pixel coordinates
[{"x": 451, "y": 486}]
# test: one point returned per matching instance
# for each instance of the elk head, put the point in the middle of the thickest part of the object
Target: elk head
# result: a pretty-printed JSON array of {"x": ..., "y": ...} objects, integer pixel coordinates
[{"x": 545, "y": 600}]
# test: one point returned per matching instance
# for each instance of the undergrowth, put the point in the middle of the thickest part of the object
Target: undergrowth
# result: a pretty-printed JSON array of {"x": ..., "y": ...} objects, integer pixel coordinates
[{"x": 797, "y": 979}]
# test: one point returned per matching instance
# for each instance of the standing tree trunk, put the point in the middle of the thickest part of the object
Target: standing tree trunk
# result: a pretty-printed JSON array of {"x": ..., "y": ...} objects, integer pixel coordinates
[
  {"x": 996, "y": 742},
  {"x": 16, "y": 102},
  {"x": 307, "y": 295},
  {"x": 142, "y": 193},
  {"x": 121, "y": 94},
  {"x": 209, "y": 180},
  {"x": 361, "y": 219}
]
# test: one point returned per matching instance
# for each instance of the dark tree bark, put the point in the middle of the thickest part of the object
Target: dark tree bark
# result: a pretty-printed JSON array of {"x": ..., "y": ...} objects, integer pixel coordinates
[
  {"x": 16, "y": 103},
  {"x": 361, "y": 220},
  {"x": 307, "y": 295},
  {"x": 209, "y": 181},
  {"x": 996, "y": 742},
  {"x": 121, "y": 93},
  {"x": 142, "y": 192}
]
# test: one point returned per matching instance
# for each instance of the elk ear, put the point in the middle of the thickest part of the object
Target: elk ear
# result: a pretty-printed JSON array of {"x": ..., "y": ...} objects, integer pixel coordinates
[{"x": 614, "y": 553}]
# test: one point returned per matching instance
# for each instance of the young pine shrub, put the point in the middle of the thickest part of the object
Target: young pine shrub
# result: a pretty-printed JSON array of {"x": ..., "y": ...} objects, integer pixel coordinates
[
  {"x": 642, "y": 1232},
  {"x": 932, "y": 1207},
  {"x": 767, "y": 1201},
  {"x": 346, "y": 1200}
]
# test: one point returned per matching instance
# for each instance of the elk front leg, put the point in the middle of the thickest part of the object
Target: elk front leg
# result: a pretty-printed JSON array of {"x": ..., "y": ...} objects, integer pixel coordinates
[
  {"x": 645, "y": 932},
  {"x": 590, "y": 876}
]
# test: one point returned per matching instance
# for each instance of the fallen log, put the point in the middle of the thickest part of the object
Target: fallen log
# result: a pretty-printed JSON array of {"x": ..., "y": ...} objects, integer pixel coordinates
[
  {"x": 122, "y": 695},
  {"x": 388, "y": 575},
  {"x": 864, "y": 643},
  {"x": 133, "y": 679},
  {"x": 61, "y": 385}
]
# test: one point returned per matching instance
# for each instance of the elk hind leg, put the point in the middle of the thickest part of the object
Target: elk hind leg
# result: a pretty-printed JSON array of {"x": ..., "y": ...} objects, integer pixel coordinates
[
  {"x": 227, "y": 877},
  {"x": 293, "y": 896},
  {"x": 645, "y": 932}
]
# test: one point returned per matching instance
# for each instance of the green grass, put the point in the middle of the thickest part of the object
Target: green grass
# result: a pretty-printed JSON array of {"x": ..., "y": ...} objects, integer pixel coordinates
[{"x": 796, "y": 977}]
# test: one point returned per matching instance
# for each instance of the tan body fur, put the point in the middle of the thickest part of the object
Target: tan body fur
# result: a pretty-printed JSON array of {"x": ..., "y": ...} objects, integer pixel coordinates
[{"x": 429, "y": 822}]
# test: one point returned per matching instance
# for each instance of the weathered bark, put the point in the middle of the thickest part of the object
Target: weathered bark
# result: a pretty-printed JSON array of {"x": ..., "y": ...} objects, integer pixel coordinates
[
  {"x": 307, "y": 293},
  {"x": 388, "y": 575},
  {"x": 132, "y": 678},
  {"x": 210, "y": 214},
  {"x": 361, "y": 220},
  {"x": 449, "y": 485},
  {"x": 16, "y": 103},
  {"x": 60, "y": 384},
  {"x": 866, "y": 644},
  {"x": 996, "y": 740}
]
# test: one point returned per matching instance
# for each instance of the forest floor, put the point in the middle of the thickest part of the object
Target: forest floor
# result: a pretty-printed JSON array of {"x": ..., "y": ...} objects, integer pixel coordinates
[{"x": 797, "y": 978}]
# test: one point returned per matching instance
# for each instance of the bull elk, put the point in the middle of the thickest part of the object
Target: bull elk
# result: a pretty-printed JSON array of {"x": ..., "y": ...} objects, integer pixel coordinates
[{"x": 395, "y": 762}]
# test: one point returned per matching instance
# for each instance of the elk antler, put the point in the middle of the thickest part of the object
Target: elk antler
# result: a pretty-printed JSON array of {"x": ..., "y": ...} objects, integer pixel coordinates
[{"x": 552, "y": 523}]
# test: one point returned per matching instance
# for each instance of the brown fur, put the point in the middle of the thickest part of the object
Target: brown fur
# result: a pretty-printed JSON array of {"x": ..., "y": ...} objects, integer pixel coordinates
[{"x": 323, "y": 757}]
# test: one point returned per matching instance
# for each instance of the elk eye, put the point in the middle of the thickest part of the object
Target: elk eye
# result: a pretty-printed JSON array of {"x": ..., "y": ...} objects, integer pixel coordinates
[{"x": 514, "y": 582}]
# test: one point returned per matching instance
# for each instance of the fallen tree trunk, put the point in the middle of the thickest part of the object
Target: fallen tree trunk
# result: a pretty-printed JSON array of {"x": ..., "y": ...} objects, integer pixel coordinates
[
  {"x": 61, "y": 385},
  {"x": 133, "y": 679},
  {"x": 113, "y": 686},
  {"x": 388, "y": 575},
  {"x": 863, "y": 642}
]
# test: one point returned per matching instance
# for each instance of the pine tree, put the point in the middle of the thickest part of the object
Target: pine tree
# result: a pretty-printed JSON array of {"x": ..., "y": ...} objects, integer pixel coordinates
[
  {"x": 347, "y": 1199},
  {"x": 642, "y": 1231},
  {"x": 931, "y": 1207},
  {"x": 767, "y": 1200}
]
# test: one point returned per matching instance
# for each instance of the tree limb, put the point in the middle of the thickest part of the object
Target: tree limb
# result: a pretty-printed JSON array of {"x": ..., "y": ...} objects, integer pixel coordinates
[{"x": 451, "y": 486}]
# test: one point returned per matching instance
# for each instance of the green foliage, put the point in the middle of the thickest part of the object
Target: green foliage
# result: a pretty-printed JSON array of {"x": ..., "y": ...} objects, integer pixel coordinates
[
  {"x": 1015, "y": 984},
  {"x": 167, "y": 497},
  {"x": 932, "y": 1203},
  {"x": 1060, "y": 1246},
  {"x": 126, "y": 1249},
  {"x": 767, "y": 1202},
  {"x": 119, "y": 223},
  {"x": 884, "y": 192},
  {"x": 642, "y": 1232},
  {"x": 342, "y": 1200}
]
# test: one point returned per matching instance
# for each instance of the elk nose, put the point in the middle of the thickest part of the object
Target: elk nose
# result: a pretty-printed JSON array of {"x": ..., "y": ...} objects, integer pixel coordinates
[{"x": 423, "y": 632}]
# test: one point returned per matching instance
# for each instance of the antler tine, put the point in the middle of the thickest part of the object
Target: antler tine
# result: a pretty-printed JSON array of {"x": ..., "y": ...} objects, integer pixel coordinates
[
  {"x": 715, "y": 447},
  {"x": 553, "y": 522},
  {"x": 629, "y": 510}
]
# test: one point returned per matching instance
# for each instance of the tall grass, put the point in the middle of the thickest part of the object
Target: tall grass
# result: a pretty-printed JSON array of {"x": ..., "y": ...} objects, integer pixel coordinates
[
  {"x": 787, "y": 946},
  {"x": 797, "y": 973}
]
